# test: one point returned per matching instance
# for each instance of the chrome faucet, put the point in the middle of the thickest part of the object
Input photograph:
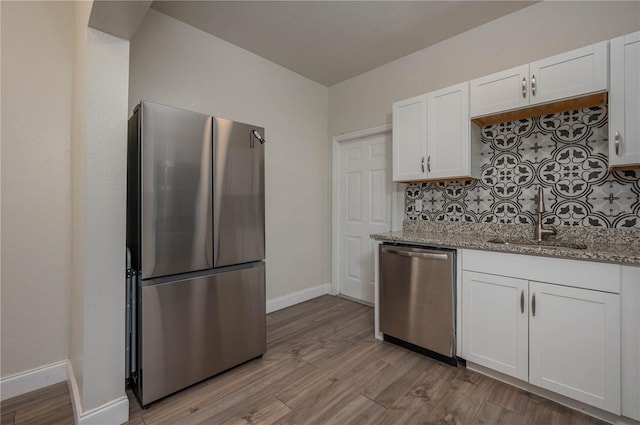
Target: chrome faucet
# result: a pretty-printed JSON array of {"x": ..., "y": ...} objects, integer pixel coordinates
[{"x": 540, "y": 230}]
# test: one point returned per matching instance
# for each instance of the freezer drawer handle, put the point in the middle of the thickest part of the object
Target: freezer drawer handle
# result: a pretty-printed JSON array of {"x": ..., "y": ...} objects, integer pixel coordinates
[{"x": 417, "y": 254}]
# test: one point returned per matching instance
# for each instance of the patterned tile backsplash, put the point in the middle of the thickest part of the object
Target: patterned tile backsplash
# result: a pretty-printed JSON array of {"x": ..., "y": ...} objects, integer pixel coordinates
[{"x": 566, "y": 153}]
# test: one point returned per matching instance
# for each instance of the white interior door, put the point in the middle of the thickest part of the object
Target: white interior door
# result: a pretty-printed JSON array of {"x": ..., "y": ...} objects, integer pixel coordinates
[{"x": 364, "y": 208}]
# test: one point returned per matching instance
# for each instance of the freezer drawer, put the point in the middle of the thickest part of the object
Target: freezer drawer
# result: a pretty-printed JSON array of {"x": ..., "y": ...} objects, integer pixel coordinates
[
  {"x": 193, "y": 329},
  {"x": 417, "y": 297}
]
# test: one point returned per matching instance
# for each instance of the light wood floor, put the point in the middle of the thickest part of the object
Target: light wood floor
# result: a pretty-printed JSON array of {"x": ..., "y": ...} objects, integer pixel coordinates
[
  {"x": 47, "y": 406},
  {"x": 323, "y": 366}
]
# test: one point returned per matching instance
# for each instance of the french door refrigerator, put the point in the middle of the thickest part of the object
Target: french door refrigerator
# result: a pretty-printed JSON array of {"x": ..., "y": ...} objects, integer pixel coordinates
[{"x": 195, "y": 229}]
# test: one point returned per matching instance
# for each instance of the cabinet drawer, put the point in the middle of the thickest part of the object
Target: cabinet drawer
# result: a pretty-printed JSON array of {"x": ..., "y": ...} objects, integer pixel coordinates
[{"x": 575, "y": 273}]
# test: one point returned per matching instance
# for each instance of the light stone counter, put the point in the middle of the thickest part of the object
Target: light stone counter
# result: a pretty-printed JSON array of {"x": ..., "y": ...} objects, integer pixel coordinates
[{"x": 619, "y": 246}]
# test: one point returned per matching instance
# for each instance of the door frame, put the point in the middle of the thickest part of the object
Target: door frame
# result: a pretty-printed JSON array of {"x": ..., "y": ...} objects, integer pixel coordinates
[{"x": 397, "y": 197}]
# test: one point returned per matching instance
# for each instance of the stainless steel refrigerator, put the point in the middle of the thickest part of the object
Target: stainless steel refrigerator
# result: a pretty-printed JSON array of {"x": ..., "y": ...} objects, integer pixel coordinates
[{"x": 195, "y": 230}]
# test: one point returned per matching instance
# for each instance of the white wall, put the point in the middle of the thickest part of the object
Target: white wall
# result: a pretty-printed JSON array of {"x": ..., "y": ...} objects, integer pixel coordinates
[
  {"x": 175, "y": 64},
  {"x": 103, "y": 226},
  {"x": 538, "y": 31},
  {"x": 78, "y": 176},
  {"x": 37, "y": 65}
]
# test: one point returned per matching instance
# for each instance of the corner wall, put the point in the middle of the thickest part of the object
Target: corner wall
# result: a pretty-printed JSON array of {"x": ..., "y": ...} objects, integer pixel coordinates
[
  {"x": 104, "y": 219},
  {"x": 538, "y": 31},
  {"x": 175, "y": 64}
]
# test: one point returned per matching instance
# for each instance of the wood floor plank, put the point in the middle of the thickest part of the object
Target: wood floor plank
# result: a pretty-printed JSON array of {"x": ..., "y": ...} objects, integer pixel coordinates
[
  {"x": 307, "y": 322},
  {"x": 232, "y": 405},
  {"x": 360, "y": 411},
  {"x": 266, "y": 412},
  {"x": 509, "y": 397},
  {"x": 395, "y": 378},
  {"x": 578, "y": 418},
  {"x": 320, "y": 403},
  {"x": 54, "y": 411},
  {"x": 48, "y": 406},
  {"x": 34, "y": 397},
  {"x": 323, "y": 324},
  {"x": 467, "y": 392},
  {"x": 421, "y": 397},
  {"x": 221, "y": 394},
  {"x": 8, "y": 418},
  {"x": 494, "y": 414},
  {"x": 541, "y": 411}
]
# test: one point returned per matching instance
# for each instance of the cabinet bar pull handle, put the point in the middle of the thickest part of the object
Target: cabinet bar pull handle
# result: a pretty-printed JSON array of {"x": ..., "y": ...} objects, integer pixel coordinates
[
  {"x": 533, "y": 305},
  {"x": 522, "y": 301},
  {"x": 533, "y": 85},
  {"x": 429, "y": 163},
  {"x": 422, "y": 164},
  {"x": 524, "y": 87},
  {"x": 616, "y": 141},
  {"x": 417, "y": 254}
]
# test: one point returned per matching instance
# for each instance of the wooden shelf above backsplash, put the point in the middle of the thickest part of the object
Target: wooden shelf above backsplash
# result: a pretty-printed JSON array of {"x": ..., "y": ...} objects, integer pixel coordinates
[{"x": 597, "y": 99}]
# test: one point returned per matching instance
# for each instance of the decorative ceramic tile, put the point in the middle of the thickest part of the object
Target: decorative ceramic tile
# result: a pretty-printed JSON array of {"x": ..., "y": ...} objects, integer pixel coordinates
[{"x": 565, "y": 153}]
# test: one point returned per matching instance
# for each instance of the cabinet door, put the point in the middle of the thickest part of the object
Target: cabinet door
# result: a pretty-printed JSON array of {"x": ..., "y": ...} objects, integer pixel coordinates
[
  {"x": 624, "y": 101},
  {"x": 569, "y": 74},
  {"x": 448, "y": 132},
  {"x": 575, "y": 343},
  {"x": 499, "y": 92},
  {"x": 410, "y": 139},
  {"x": 495, "y": 322}
]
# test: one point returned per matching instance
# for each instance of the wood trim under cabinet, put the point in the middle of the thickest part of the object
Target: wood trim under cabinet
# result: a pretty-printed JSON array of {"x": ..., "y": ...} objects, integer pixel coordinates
[
  {"x": 545, "y": 109},
  {"x": 447, "y": 179}
]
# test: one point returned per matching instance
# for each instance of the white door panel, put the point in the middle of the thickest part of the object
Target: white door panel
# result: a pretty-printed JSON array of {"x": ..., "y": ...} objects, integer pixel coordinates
[
  {"x": 365, "y": 208},
  {"x": 575, "y": 343},
  {"x": 409, "y": 138},
  {"x": 569, "y": 74},
  {"x": 495, "y": 320},
  {"x": 624, "y": 101}
]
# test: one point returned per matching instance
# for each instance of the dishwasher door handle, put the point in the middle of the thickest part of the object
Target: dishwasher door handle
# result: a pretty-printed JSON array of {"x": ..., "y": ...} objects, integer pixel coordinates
[{"x": 416, "y": 254}]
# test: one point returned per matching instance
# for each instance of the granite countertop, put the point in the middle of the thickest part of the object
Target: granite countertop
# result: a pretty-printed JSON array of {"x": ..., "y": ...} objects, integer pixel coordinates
[{"x": 619, "y": 246}]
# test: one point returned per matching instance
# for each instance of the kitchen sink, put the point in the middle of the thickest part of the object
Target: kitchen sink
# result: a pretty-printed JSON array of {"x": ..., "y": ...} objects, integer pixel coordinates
[{"x": 543, "y": 244}]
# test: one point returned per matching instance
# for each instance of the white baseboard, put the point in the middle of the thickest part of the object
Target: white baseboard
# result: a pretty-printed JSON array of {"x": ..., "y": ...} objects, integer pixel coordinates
[
  {"x": 114, "y": 412},
  {"x": 32, "y": 380},
  {"x": 297, "y": 297}
]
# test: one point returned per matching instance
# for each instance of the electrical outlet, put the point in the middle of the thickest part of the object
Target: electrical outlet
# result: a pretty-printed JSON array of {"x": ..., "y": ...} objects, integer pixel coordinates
[{"x": 418, "y": 206}]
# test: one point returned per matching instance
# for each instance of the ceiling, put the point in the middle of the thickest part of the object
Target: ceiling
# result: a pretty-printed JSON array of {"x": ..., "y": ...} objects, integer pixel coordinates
[{"x": 332, "y": 41}]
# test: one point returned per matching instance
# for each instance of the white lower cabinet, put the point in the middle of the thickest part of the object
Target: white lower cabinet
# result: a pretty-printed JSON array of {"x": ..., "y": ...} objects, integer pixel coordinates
[
  {"x": 574, "y": 343},
  {"x": 495, "y": 323},
  {"x": 556, "y": 336}
]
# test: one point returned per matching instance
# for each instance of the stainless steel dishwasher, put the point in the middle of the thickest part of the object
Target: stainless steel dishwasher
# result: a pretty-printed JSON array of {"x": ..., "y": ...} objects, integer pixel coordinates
[{"x": 417, "y": 295}]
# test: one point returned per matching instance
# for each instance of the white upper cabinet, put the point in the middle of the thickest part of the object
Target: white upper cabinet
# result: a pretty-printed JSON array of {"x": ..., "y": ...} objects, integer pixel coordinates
[
  {"x": 624, "y": 101},
  {"x": 448, "y": 137},
  {"x": 502, "y": 91},
  {"x": 410, "y": 139},
  {"x": 571, "y": 74},
  {"x": 432, "y": 136}
]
